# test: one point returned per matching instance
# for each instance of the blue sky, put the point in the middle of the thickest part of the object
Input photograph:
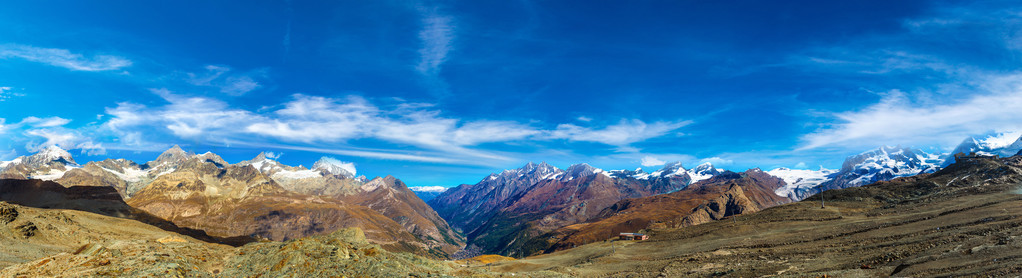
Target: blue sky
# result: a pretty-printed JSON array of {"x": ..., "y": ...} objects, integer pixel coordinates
[{"x": 443, "y": 93}]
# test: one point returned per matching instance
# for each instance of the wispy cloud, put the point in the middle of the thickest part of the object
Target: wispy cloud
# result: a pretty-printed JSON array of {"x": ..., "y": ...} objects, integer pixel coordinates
[
  {"x": 622, "y": 134},
  {"x": 186, "y": 117},
  {"x": 45, "y": 122},
  {"x": 63, "y": 58},
  {"x": 898, "y": 120},
  {"x": 437, "y": 36},
  {"x": 7, "y": 93},
  {"x": 312, "y": 122},
  {"x": 650, "y": 161},
  {"x": 223, "y": 78},
  {"x": 286, "y": 42},
  {"x": 52, "y": 132}
]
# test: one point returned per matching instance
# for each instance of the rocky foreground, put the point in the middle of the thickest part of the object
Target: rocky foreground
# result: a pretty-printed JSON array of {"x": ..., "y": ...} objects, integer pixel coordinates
[{"x": 38, "y": 242}]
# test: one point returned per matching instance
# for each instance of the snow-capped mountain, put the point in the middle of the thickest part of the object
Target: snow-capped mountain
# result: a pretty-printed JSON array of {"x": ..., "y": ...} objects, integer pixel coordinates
[
  {"x": 796, "y": 179},
  {"x": 673, "y": 169},
  {"x": 887, "y": 163},
  {"x": 882, "y": 164},
  {"x": 48, "y": 164},
  {"x": 427, "y": 193},
  {"x": 995, "y": 144},
  {"x": 335, "y": 167}
]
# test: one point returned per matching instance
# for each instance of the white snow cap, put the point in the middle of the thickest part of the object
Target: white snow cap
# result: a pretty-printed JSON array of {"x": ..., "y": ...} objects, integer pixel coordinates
[
  {"x": 334, "y": 166},
  {"x": 54, "y": 152}
]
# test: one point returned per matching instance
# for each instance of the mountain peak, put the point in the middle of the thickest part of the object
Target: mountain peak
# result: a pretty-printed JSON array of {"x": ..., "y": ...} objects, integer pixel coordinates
[
  {"x": 581, "y": 170},
  {"x": 672, "y": 167},
  {"x": 54, "y": 153},
  {"x": 998, "y": 144},
  {"x": 335, "y": 167},
  {"x": 172, "y": 154}
]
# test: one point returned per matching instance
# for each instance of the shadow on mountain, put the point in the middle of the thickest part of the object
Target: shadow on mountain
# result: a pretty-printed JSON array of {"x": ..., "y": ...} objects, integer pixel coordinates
[{"x": 102, "y": 200}]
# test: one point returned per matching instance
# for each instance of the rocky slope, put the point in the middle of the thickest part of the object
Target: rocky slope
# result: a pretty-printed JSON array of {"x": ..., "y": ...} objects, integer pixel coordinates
[
  {"x": 504, "y": 211},
  {"x": 386, "y": 195},
  {"x": 960, "y": 221},
  {"x": 95, "y": 199},
  {"x": 721, "y": 196},
  {"x": 69, "y": 243},
  {"x": 240, "y": 200}
]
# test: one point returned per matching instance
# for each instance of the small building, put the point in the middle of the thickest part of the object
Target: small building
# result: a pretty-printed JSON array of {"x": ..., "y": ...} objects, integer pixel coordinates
[{"x": 633, "y": 236}]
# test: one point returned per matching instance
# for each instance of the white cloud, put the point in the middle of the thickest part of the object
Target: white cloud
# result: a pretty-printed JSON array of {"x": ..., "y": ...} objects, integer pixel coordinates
[
  {"x": 622, "y": 134},
  {"x": 193, "y": 118},
  {"x": 717, "y": 161},
  {"x": 319, "y": 121},
  {"x": 649, "y": 161},
  {"x": 229, "y": 83},
  {"x": 897, "y": 120},
  {"x": 272, "y": 155},
  {"x": 7, "y": 93},
  {"x": 64, "y": 138},
  {"x": 801, "y": 165},
  {"x": 45, "y": 122},
  {"x": 584, "y": 119},
  {"x": 437, "y": 36},
  {"x": 63, "y": 58}
]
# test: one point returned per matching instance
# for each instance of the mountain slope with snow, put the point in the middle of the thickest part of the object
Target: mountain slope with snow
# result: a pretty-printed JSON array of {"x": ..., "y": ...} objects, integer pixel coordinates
[
  {"x": 995, "y": 144},
  {"x": 48, "y": 164},
  {"x": 800, "y": 179},
  {"x": 882, "y": 164}
]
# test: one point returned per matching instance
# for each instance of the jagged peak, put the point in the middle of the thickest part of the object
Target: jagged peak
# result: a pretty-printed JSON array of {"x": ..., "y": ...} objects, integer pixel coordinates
[
  {"x": 705, "y": 166},
  {"x": 581, "y": 170},
  {"x": 335, "y": 167},
  {"x": 174, "y": 153},
  {"x": 672, "y": 167},
  {"x": 54, "y": 153}
]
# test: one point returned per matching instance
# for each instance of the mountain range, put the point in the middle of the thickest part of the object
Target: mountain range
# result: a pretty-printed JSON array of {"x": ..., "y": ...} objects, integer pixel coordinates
[
  {"x": 518, "y": 212},
  {"x": 540, "y": 208},
  {"x": 259, "y": 198},
  {"x": 535, "y": 209}
]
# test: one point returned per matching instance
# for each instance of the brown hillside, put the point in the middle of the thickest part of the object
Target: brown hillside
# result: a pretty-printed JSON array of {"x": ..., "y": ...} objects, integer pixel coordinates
[{"x": 712, "y": 199}]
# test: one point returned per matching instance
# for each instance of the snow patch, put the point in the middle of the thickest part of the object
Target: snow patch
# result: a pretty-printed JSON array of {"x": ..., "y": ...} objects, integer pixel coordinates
[
  {"x": 295, "y": 175},
  {"x": 797, "y": 178},
  {"x": 52, "y": 174},
  {"x": 129, "y": 175},
  {"x": 435, "y": 189}
]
